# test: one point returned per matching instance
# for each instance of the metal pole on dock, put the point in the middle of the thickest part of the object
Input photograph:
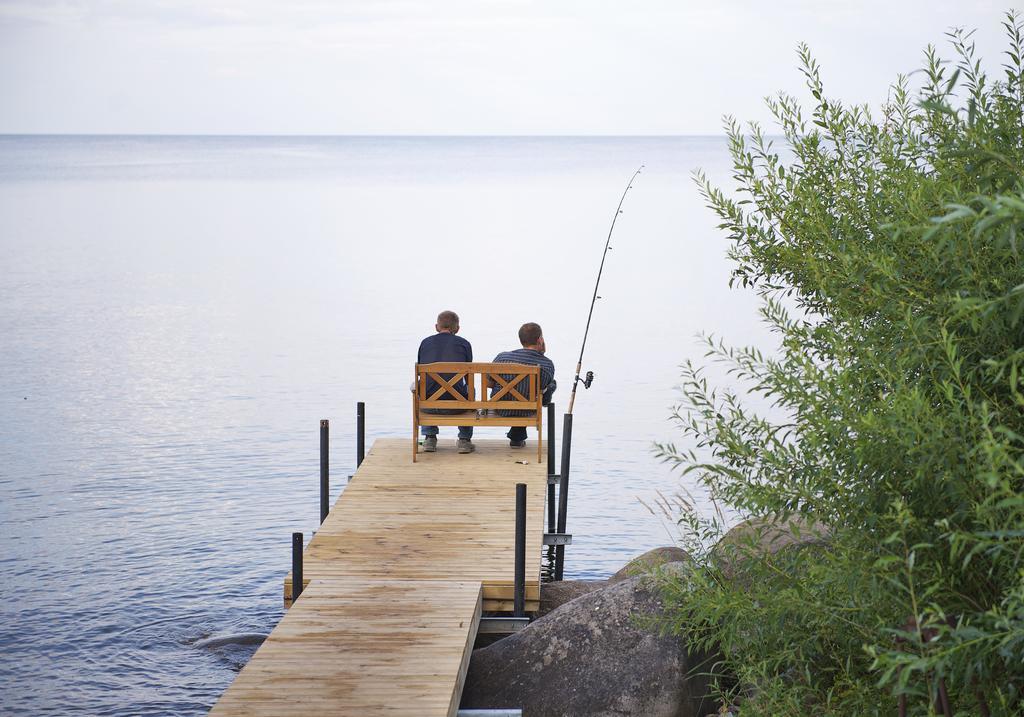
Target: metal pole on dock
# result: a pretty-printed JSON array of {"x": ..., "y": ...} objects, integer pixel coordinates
[
  {"x": 552, "y": 516},
  {"x": 325, "y": 473},
  {"x": 563, "y": 492},
  {"x": 360, "y": 433},
  {"x": 519, "y": 586},
  {"x": 296, "y": 566}
]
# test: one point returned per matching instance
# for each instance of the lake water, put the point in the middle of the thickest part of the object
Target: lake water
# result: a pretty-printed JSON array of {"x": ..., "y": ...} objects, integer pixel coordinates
[{"x": 177, "y": 315}]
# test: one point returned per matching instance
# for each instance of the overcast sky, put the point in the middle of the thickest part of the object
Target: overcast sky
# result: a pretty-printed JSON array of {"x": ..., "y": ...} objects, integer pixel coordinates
[{"x": 447, "y": 66}]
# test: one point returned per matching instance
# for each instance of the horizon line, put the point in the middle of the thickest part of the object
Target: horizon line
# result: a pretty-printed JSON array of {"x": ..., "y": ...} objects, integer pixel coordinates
[{"x": 358, "y": 135}]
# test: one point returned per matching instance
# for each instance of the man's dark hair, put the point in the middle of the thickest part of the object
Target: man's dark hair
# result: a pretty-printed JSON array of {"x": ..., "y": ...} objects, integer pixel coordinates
[
  {"x": 529, "y": 334},
  {"x": 448, "y": 320}
]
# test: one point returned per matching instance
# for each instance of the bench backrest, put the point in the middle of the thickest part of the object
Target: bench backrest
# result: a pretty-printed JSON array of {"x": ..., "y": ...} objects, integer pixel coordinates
[{"x": 516, "y": 386}]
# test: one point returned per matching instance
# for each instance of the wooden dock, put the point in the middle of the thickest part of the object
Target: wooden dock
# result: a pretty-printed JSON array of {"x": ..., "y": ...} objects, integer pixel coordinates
[{"x": 395, "y": 582}]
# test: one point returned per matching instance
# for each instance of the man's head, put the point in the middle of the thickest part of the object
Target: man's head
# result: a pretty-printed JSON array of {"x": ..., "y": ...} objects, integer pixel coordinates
[
  {"x": 447, "y": 323},
  {"x": 531, "y": 337}
]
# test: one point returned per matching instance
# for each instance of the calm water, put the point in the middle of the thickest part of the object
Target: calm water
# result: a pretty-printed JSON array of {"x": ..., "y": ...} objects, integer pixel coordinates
[{"x": 177, "y": 314}]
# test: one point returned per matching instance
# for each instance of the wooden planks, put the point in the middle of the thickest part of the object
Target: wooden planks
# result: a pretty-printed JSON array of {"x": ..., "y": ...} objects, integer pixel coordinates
[
  {"x": 356, "y": 646},
  {"x": 396, "y": 579},
  {"x": 447, "y": 516}
]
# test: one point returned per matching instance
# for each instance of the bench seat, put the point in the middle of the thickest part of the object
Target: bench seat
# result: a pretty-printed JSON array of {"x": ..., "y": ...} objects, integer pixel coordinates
[
  {"x": 513, "y": 387},
  {"x": 482, "y": 417}
]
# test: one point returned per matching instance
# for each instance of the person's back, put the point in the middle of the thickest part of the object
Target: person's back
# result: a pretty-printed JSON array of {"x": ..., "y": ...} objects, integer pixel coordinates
[
  {"x": 531, "y": 354},
  {"x": 445, "y": 346}
]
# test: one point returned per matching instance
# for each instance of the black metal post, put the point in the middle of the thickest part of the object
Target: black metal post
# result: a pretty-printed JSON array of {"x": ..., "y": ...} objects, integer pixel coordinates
[
  {"x": 552, "y": 515},
  {"x": 519, "y": 586},
  {"x": 551, "y": 438},
  {"x": 325, "y": 472},
  {"x": 563, "y": 492},
  {"x": 296, "y": 566},
  {"x": 360, "y": 433}
]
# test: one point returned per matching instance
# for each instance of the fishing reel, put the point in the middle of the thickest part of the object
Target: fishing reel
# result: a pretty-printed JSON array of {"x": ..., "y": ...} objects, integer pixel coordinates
[{"x": 586, "y": 381}]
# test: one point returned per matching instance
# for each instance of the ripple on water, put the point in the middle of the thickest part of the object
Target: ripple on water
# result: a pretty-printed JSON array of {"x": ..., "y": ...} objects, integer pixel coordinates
[{"x": 180, "y": 333}]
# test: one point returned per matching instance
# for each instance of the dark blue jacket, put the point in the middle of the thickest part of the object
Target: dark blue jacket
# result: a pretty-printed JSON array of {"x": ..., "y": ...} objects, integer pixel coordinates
[{"x": 444, "y": 347}]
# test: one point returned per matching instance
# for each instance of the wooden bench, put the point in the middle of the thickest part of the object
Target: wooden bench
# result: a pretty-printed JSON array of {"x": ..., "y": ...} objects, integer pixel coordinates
[{"x": 517, "y": 388}]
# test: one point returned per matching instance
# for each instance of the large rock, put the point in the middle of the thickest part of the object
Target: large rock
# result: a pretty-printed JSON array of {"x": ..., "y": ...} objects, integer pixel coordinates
[
  {"x": 558, "y": 593},
  {"x": 765, "y": 536},
  {"x": 555, "y": 594},
  {"x": 593, "y": 657},
  {"x": 648, "y": 562}
]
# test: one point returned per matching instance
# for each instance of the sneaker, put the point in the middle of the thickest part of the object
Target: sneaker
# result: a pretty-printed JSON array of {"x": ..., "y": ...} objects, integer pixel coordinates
[
  {"x": 464, "y": 445},
  {"x": 429, "y": 444},
  {"x": 517, "y": 444}
]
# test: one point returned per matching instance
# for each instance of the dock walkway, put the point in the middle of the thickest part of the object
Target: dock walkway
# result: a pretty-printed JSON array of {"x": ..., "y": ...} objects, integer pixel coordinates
[{"x": 395, "y": 581}]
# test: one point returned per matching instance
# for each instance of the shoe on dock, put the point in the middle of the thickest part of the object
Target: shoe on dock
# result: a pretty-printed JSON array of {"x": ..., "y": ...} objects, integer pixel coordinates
[
  {"x": 429, "y": 444},
  {"x": 517, "y": 444},
  {"x": 464, "y": 445}
]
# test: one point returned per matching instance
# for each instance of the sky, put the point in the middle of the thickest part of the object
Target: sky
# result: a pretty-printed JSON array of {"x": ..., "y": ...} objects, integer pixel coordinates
[{"x": 449, "y": 67}]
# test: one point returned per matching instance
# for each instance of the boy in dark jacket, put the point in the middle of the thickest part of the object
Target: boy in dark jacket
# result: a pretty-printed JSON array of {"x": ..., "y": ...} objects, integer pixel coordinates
[{"x": 446, "y": 346}]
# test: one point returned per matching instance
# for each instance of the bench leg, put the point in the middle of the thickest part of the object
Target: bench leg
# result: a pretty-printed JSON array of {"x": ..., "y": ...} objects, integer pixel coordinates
[{"x": 415, "y": 439}]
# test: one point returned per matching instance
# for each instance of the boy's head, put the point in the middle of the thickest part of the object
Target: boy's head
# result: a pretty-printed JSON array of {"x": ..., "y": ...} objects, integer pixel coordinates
[
  {"x": 447, "y": 323},
  {"x": 531, "y": 337}
]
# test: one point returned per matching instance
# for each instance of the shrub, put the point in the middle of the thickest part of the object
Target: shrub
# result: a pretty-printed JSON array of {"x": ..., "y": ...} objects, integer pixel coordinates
[{"x": 888, "y": 254}]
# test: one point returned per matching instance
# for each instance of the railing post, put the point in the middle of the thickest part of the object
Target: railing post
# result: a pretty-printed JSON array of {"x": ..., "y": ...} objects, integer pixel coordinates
[
  {"x": 552, "y": 515},
  {"x": 360, "y": 433},
  {"x": 563, "y": 492},
  {"x": 296, "y": 566},
  {"x": 519, "y": 585},
  {"x": 325, "y": 473}
]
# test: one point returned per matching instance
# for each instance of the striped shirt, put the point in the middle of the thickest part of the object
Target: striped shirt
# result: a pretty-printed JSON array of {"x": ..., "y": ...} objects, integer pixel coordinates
[{"x": 530, "y": 358}]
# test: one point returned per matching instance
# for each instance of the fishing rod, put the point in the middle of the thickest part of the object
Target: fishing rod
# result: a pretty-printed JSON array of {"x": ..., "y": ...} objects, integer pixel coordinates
[{"x": 607, "y": 246}]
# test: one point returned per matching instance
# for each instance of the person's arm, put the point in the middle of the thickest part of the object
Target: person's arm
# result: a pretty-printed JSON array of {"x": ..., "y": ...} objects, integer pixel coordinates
[
  {"x": 467, "y": 354},
  {"x": 546, "y": 398},
  {"x": 552, "y": 384}
]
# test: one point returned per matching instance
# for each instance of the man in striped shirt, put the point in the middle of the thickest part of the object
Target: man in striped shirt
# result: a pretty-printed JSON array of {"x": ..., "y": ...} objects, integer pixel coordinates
[{"x": 532, "y": 339}]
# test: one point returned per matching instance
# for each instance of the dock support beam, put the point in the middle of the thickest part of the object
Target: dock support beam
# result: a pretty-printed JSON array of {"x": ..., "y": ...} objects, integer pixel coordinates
[
  {"x": 519, "y": 586},
  {"x": 502, "y": 625},
  {"x": 563, "y": 492},
  {"x": 296, "y": 566},
  {"x": 325, "y": 472},
  {"x": 552, "y": 515},
  {"x": 360, "y": 433}
]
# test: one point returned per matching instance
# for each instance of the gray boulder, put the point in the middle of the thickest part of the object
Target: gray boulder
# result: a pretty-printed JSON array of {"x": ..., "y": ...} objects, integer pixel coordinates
[
  {"x": 554, "y": 595},
  {"x": 593, "y": 657},
  {"x": 765, "y": 536},
  {"x": 649, "y": 561}
]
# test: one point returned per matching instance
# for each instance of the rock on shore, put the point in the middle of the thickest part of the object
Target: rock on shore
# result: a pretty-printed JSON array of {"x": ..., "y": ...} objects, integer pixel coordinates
[
  {"x": 556, "y": 594},
  {"x": 595, "y": 651},
  {"x": 650, "y": 561},
  {"x": 595, "y": 657},
  {"x": 765, "y": 536}
]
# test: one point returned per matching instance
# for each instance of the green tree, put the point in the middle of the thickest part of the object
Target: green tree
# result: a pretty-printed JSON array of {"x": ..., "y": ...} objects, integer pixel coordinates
[{"x": 888, "y": 254}]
